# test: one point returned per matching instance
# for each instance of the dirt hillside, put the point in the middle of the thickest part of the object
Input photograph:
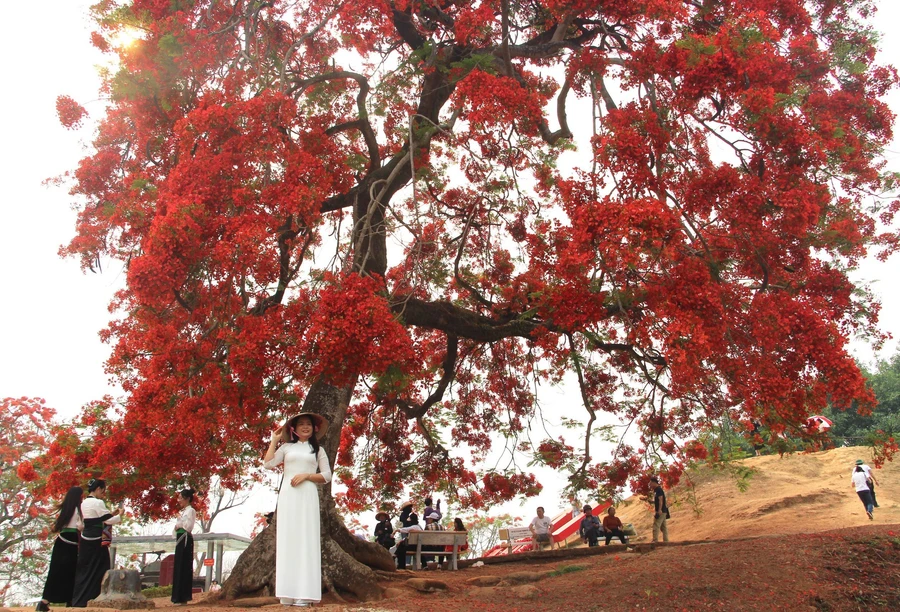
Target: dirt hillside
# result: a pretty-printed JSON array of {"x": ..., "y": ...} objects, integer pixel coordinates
[
  {"x": 796, "y": 539},
  {"x": 800, "y": 493}
]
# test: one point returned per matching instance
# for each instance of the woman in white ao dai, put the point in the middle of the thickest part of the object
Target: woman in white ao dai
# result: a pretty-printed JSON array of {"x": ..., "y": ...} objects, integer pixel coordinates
[{"x": 298, "y": 553}]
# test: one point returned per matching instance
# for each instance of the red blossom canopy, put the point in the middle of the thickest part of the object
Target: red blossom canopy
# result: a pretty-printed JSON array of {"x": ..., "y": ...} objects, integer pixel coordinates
[{"x": 435, "y": 205}]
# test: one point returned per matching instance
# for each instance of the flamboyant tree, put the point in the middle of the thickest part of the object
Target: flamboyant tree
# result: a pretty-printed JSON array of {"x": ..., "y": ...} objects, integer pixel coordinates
[
  {"x": 406, "y": 214},
  {"x": 26, "y": 426}
]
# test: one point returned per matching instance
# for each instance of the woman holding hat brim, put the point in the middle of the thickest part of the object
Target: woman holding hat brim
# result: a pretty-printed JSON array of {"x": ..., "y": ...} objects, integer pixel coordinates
[{"x": 298, "y": 548}]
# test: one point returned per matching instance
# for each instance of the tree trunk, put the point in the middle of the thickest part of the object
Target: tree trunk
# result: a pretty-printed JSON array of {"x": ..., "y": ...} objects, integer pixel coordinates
[{"x": 347, "y": 561}]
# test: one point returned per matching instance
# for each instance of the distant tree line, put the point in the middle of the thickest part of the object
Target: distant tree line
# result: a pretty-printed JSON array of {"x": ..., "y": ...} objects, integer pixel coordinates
[
  {"x": 852, "y": 429},
  {"x": 732, "y": 440}
]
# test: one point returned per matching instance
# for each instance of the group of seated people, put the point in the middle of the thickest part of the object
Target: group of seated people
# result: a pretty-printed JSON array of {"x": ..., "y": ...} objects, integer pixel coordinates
[
  {"x": 385, "y": 533},
  {"x": 590, "y": 529}
]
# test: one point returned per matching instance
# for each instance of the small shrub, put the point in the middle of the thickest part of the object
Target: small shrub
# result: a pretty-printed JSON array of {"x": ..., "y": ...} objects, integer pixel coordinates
[{"x": 159, "y": 591}]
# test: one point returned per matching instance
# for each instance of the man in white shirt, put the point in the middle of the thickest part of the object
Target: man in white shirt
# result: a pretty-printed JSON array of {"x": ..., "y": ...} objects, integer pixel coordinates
[
  {"x": 540, "y": 530},
  {"x": 871, "y": 478}
]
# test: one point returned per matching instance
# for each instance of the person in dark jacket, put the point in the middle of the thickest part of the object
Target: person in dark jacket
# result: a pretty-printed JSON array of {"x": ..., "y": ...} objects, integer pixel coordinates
[
  {"x": 660, "y": 511},
  {"x": 589, "y": 529},
  {"x": 383, "y": 530},
  {"x": 406, "y": 510}
]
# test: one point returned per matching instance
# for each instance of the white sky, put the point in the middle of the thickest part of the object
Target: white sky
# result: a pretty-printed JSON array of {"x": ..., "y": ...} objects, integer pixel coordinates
[{"x": 51, "y": 313}]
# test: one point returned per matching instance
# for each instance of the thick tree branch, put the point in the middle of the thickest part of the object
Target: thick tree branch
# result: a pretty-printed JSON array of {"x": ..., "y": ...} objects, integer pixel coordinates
[
  {"x": 406, "y": 28},
  {"x": 586, "y": 401},
  {"x": 552, "y": 138},
  {"x": 362, "y": 123},
  {"x": 417, "y": 411},
  {"x": 286, "y": 272},
  {"x": 452, "y": 319}
]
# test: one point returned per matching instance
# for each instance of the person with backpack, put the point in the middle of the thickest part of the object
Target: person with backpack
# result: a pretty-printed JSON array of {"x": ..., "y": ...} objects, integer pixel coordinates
[
  {"x": 870, "y": 477},
  {"x": 589, "y": 529},
  {"x": 861, "y": 484}
]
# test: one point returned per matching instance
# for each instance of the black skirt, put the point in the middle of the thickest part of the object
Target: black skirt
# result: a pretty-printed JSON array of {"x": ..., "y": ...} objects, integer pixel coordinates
[
  {"x": 93, "y": 563},
  {"x": 61, "y": 575},
  {"x": 183, "y": 570}
]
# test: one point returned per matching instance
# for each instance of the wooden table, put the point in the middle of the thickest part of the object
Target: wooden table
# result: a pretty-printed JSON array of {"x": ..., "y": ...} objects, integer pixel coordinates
[{"x": 437, "y": 538}]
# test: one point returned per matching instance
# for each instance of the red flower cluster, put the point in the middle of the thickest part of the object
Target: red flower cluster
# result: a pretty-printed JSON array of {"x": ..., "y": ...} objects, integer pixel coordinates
[{"x": 70, "y": 112}]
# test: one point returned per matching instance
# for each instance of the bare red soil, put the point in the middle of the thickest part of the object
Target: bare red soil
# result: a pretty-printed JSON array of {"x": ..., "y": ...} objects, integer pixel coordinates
[{"x": 796, "y": 539}]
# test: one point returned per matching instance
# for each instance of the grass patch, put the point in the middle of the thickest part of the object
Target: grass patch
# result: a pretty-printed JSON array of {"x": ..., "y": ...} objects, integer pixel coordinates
[{"x": 567, "y": 569}]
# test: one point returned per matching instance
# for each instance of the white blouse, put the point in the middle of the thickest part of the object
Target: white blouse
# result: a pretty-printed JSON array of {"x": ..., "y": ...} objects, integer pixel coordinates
[
  {"x": 75, "y": 522},
  {"x": 860, "y": 481},
  {"x": 186, "y": 519},
  {"x": 321, "y": 459},
  {"x": 92, "y": 508}
]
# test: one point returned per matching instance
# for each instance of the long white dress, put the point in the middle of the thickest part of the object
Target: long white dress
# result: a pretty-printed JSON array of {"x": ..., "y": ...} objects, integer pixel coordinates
[{"x": 298, "y": 549}]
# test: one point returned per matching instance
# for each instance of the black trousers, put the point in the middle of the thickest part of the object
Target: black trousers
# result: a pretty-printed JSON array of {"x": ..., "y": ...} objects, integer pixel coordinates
[
  {"x": 591, "y": 537},
  {"x": 872, "y": 491},
  {"x": 183, "y": 570},
  {"x": 401, "y": 554},
  {"x": 617, "y": 533}
]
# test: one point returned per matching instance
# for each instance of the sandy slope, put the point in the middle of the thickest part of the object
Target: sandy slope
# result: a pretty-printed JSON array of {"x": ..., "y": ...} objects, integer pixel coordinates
[{"x": 799, "y": 493}]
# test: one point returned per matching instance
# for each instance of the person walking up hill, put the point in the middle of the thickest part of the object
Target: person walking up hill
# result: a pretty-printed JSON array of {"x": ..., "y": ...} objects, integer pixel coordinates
[
  {"x": 870, "y": 476},
  {"x": 861, "y": 484}
]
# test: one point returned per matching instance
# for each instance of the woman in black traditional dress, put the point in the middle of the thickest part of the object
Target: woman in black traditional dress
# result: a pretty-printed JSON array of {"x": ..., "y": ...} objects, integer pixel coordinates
[
  {"x": 183, "y": 570},
  {"x": 93, "y": 557},
  {"x": 61, "y": 575}
]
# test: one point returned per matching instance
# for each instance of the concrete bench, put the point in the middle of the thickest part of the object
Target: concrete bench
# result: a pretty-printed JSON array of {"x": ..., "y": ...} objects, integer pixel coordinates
[{"x": 456, "y": 539}]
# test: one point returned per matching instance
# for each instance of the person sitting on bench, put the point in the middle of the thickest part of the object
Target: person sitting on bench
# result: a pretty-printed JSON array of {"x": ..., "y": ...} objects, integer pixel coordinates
[
  {"x": 402, "y": 546},
  {"x": 540, "y": 530},
  {"x": 590, "y": 527},
  {"x": 612, "y": 526}
]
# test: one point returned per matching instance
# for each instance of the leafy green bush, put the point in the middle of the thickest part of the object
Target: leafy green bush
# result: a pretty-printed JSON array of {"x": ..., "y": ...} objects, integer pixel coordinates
[{"x": 159, "y": 591}]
